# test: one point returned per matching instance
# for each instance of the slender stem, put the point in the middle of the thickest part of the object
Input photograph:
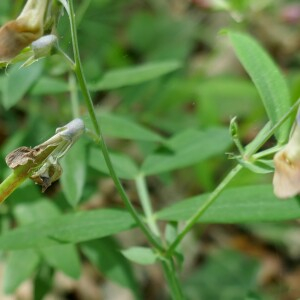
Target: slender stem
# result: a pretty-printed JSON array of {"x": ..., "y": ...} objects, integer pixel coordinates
[
  {"x": 66, "y": 57},
  {"x": 212, "y": 197},
  {"x": 253, "y": 149},
  {"x": 173, "y": 283},
  {"x": 176, "y": 279},
  {"x": 233, "y": 128},
  {"x": 89, "y": 104},
  {"x": 74, "y": 95},
  {"x": 146, "y": 203},
  {"x": 10, "y": 183},
  {"x": 267, "y": 152}
]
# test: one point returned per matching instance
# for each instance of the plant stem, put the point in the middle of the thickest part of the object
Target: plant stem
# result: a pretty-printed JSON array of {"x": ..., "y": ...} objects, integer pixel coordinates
[
  {"x": 74, "y": 95},
  {"x": 212, "y": 197},
  {"x": 101, "y": 143},
  {"x": 10, "y": 183},
  {"x": 146, "y": 203},
  {"x": 252, "y": 150},
  {"x": 173, "y": 283}
]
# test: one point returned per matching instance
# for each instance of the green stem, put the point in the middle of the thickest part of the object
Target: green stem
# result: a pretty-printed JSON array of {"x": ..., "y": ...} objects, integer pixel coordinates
[
  {"x": 255, "y": 146},
  {"x": 89, "y": 104},
  {"x": 10, "y": 183},
  {"x": 259, "y": 141},
  {"x": 212, "y": 197},
  {"x": 173, "y": 283},
  {"x": 74, "y": 95},
  {"x": 146, "y": 204}
]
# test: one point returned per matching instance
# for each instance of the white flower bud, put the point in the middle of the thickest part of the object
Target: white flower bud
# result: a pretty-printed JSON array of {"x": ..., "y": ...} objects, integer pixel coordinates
[{"x": 42, "y": 47}]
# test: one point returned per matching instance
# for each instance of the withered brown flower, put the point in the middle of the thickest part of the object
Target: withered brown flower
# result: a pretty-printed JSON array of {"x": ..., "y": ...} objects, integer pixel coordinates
[{"x": 17, "y": 34}]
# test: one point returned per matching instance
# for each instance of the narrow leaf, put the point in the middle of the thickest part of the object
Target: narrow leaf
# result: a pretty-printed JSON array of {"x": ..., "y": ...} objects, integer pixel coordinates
[
  {"x": 238, "y": 205},
  {"x": 121, "y": 127},
  {"x": 23, "y": 78},
  {"x": 43, "y": 281},
  {"x": 48, "y": 85},
  {"x": 69, "y": 228},
  {"x": 33, "y": 209},
  {"x": 104, "y": 254},
  {"x": 29, "y": 208},
  {"x": 267, "y": 79},
  {"x": 19, "y": 267},
  {"x": 140, "y": 255},
  {"x": 134, "y": 75},
  {"x": 189, "y": 147},
  {"x": 64, "y": 258},
  {"x": 124, "y": 165},
  {"x": 74, "y": 172}
]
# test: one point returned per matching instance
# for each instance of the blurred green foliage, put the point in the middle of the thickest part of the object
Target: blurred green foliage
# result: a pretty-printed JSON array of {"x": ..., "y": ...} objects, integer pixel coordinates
[{"x": 165, "y": 84}]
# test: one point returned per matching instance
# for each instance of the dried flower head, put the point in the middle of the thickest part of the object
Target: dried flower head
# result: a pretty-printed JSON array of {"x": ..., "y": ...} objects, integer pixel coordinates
[
  {"x": 17, "y": 34},
  {"x": 41, "y": 163},
  {"x": 286, "y": 181}
]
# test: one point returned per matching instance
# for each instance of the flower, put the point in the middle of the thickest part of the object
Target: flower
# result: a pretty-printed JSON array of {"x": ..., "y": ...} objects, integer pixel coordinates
[
  {"x": 41, "y": 163},
  {"x": 286, "y": 181},
  {"x": 40, "y": 48},
  {"x": 17, "y": 34}
]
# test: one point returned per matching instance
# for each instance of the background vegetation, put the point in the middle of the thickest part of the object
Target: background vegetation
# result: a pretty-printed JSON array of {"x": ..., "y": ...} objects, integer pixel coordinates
[{"x": 165, "y": 84}]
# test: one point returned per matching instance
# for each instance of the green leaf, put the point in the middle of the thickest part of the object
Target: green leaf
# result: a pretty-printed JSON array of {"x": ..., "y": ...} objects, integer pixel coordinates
[
  {"x": 140, "y": 255},
  {"x": 238, "y": 205},
  {"x": 33, "y": 209},
  {"x": 74, "y": 172},
  {"x": 121, "y": 127},
  {"x": 134, "y": 75},
  {"x": 18, "y": 82},
  {"x": 267, "y": 79},
  {"x": 19, "y": 267},
  {"x": 27, "y": 211},
  {"x": 43, "y": 281},
  {"x": 64, "y": 258},
  {"x": 68, "y": 228},
  {"x": 48, "y": 85},
  {"x": 190, "y": 147},
  {"x": 104, "y": 254},
  {"x": 123, "y": 165}
]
